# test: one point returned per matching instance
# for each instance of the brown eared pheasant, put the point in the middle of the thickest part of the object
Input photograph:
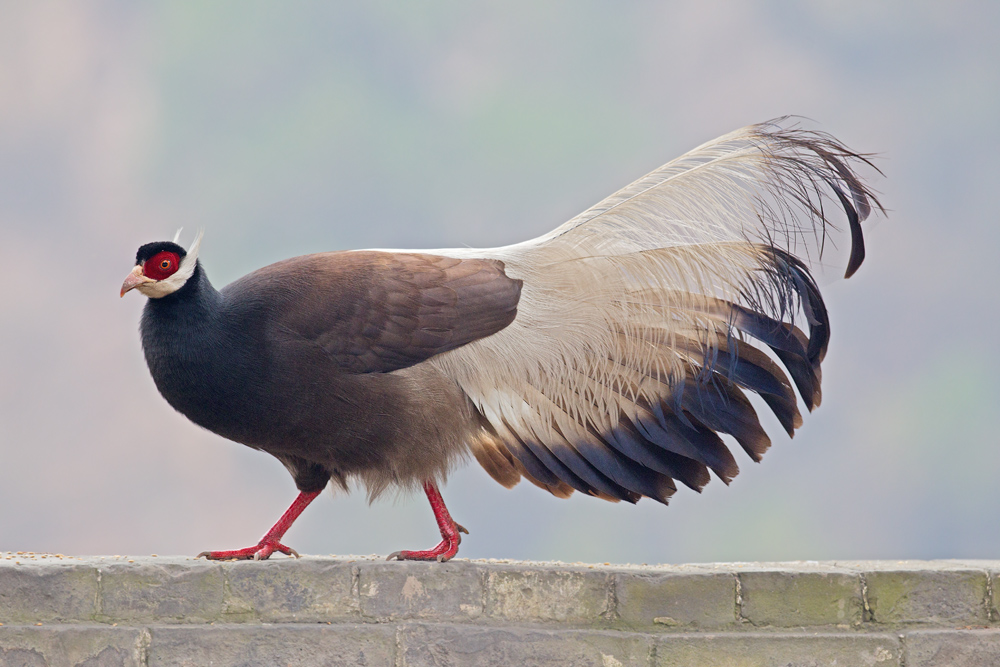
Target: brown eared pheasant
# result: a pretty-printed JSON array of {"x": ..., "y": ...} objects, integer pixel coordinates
[{"x": 608, "y": 356}]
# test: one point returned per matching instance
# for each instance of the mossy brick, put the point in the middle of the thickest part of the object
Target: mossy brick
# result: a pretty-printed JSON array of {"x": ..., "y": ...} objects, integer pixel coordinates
[
  {"x": 675, "y": 600},
  {"x": 949, "y": 597},
  {"x": 421, "y": 645},
  {"x": 72, "y": 645},
  {"x": 33, "y": 592},
  {"x": 161, "y": 592},
  {"x": 414, "y": 590},
  {"x": 791, "y": 598},
  {"x": 758, "y": 649},
  {"x": 289, "y": 590},
  {"x": 242, "y": 645},
  {"x": 549, "y": 594},
  {"x": 952, "y": 648}
]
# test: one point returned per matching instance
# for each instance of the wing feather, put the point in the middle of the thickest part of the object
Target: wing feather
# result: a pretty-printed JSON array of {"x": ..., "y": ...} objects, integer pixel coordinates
[{"x": 376, "y": 312}]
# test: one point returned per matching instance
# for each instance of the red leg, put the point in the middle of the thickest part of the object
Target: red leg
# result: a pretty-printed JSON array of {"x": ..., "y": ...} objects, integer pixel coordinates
[
  {"x": 270, "y": 542},
  {"x": 450, "y": 537}
]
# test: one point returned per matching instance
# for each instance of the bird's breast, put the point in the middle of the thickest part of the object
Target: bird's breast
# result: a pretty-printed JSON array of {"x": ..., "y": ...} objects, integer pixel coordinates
[{"x": 216, "y": 375}]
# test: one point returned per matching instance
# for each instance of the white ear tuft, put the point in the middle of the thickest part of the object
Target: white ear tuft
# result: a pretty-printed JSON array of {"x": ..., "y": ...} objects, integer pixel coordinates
[
  {"x": 177, "y": 236},
  {"x": 192, "y": 251},
  {"x": 186, "y": 269}
]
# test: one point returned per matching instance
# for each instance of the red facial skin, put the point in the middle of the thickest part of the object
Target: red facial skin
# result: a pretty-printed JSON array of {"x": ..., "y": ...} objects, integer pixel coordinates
[{"x": 162, "y": 265}]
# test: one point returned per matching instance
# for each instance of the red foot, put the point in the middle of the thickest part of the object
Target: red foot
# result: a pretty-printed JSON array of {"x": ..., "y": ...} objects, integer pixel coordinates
[
  {"x": 270, "y": 542},
  {"x": 262, "y": 551},
  {"x": 450, "y": 532}
]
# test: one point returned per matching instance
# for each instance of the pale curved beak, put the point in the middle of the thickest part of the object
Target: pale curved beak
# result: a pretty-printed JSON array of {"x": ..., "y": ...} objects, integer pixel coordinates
[{"x": 134, "y": 280}]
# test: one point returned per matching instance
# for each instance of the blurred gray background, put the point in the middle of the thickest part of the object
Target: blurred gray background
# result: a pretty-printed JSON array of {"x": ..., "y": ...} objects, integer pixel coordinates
[{"x": 287, "y": 128}]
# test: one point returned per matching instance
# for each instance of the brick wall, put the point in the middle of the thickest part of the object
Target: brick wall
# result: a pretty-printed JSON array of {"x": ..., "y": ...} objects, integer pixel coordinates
[{"x": 110, "y": 611}]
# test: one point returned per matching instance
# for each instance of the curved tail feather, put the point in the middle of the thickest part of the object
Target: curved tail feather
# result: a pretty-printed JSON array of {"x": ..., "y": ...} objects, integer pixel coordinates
[{"x": 644, "y": 320}]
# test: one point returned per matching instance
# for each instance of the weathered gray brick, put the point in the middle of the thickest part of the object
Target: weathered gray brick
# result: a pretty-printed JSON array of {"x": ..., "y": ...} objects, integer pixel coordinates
[
  {"x": 246, "y": 645},
  {"x": 72, "y": 646},
  {"x": 301, "y": 590},
  {"x": 659, "y": 601},
  {"x": 441, "y": 591},
  {"x": 35, "y": 592},
  {"x": 786, "y": 599},
  {"x": 951, "y": 597},
  {"x": 952, "y": 648},
  {"x": 548, "y": 594},
  {"x": 756, "y": 649},
  {"x": 432, "y": 645},
  {"x": 161, "y": 592}
]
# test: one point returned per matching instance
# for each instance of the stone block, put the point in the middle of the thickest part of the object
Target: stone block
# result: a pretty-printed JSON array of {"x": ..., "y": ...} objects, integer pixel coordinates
[
  {"x": 161, "y": 592},
  {"x": 301, "y": 590},
  {"x": 801, "y": 598},
  {"x": 35, "y": 592},
  {"x": 72, "y": 646},
  {"x": 471, "y": 646},
  {"x": 928, "y": 596},
  {"x": 243, "y": 645},
  {"x": 662, "y": 601},
  {"x": 952, "y": 648},
  {"x": 530, "y": 594},
  {"x": 412, "y": 590},
  {"x": 757, "y": 649}
]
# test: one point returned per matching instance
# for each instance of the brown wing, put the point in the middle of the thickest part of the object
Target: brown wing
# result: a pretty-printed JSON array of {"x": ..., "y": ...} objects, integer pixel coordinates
[{"x": 381, "y": 311}]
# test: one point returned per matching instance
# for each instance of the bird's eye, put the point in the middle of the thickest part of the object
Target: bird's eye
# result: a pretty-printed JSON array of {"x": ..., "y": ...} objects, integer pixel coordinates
[{"x": 162, "y": 265}]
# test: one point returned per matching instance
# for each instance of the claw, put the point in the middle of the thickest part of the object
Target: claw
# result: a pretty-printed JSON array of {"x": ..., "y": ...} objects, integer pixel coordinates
[
  {"x": 451, "y": 532},
  {"x": 444, "y": 551},
  {"x": 260, "y": 551}
]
